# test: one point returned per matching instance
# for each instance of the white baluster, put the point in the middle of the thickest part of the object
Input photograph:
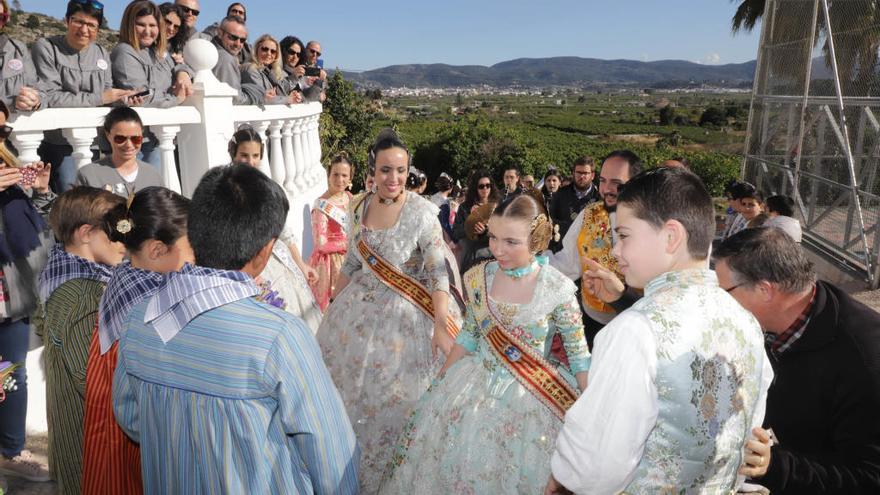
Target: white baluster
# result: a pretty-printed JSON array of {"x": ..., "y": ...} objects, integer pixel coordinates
[
  {"x": 306, "y": 164},
  {"x": 27, "y": 143},
  {"x": 299, "y": 154},
  {"x": 289, "y": 158},
  {"x": 261, "y": 126},
  {"x": 317, "y": 169},
  {"x": 276, "y": 155},
  {"x": 81, "y": 140},
  {"x": 166, "y": 135}
]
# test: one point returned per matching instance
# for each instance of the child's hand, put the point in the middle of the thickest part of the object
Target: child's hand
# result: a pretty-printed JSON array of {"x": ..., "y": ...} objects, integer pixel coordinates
[{"x": 602, "y": 282}]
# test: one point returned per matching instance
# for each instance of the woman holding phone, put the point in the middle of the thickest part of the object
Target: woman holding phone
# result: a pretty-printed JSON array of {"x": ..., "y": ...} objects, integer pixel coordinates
[
  {"x": 25, "y": 241},
  {"x": 141, "y": 61}
]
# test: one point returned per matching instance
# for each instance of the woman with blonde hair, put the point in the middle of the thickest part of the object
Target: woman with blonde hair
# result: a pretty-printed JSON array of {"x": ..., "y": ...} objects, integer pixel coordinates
[{"x": 262, "y": 78}]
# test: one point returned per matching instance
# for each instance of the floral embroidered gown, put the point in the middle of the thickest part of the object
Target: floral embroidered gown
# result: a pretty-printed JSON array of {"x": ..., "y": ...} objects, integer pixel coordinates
[
  {"x": 285, "y": 277},
  {"x": 331, "y": 242},
  {"x": 376, "y": 344},
  {"x": 478, "y": 430}
]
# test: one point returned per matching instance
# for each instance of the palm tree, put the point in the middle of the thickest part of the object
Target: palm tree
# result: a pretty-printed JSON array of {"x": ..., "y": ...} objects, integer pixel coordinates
[{"x": 855, "y": 25}]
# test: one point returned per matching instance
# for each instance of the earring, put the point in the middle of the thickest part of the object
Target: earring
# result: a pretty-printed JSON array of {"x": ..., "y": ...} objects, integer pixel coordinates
[{"x": 374, "y": 189}]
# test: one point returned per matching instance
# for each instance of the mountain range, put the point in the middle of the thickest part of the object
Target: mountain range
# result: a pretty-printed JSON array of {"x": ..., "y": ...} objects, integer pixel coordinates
[{"x": 558, "y": 71}]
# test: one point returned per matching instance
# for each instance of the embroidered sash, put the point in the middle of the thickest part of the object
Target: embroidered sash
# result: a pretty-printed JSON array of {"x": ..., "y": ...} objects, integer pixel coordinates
[
  {"x": 401, "y": 283},
  {"x": 595, "y": 243},
  {"x": 333, "y": 212},
  {"x": 523, "y": 361}
]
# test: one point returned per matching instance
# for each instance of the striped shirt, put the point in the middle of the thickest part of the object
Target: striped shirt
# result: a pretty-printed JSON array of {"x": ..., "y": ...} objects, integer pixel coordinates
[{"x": 239, "y": 401}]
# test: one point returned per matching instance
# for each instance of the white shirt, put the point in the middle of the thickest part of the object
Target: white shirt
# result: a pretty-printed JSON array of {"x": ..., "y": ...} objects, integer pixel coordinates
[{"x": 605, "y": 431}]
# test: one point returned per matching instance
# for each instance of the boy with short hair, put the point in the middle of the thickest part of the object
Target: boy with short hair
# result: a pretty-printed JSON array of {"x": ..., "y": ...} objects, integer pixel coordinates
[
  {"x": 71, "y": 287},
  {"x": 780, "y": 210},
  {"x": 678, "y": 380},
  {"x": 225, "y": 393},
  {"x": 738, "y": 191}
]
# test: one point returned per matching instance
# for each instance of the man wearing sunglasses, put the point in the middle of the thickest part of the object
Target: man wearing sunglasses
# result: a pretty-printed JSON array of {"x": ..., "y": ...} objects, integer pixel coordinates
[
  {"x": 229, "y": 41},
  {"x": 190, "y": 15},
  {"x": 235, "y": 10},
  {"x": 18, "y": 79},
  {"x": 313, "y": 86},
  {"x": 75, "y": 72},
  {"x": 121, "y": 173}
]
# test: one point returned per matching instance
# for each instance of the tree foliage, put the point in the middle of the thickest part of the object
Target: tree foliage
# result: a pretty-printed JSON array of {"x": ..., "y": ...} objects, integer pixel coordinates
[{"x": 346, "y": 122}]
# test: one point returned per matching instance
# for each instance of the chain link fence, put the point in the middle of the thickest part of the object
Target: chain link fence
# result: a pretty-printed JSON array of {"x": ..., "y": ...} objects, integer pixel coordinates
[{"x": 814, "y": 125}]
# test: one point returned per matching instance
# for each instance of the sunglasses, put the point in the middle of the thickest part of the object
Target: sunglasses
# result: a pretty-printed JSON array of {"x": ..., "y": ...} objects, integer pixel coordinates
[
  {"x": 484, "y": 186},
  {"x": 291, "y": 52},
  {"x": 192, "y": 12},
  {"x": 314, "y": 52},
  {"x": 95, "y": 4},
  {"x": 135, "y": 140},
  {"x": 268, "y": 50},
  {"x": 5, "y": 132},
  {"x": 172, "y": 24},
  {"x": 233, "y": 38}
]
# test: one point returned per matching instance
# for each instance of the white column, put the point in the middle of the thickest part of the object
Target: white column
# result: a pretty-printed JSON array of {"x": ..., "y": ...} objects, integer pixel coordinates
[
  {"x": 261, "y": 126},
  {"x": 166, "y": 135},
  {"x": 315, "y": 147},
  {"x": 81, "y": 140},
  {"x": 299, "y": 153},
  {"x": 276, "y": 155},
  {"x": 289, "y": 158},
  {"x": 27, "y": 143},
  {"x": 204, "y": 145}
]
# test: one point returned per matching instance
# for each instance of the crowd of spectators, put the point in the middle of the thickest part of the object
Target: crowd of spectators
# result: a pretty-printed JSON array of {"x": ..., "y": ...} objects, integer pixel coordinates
[{"x": 147, "y": 68}]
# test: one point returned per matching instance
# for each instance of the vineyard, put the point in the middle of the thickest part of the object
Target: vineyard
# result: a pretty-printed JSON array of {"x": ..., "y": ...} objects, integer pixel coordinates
[{"x": 456, "y": 134}]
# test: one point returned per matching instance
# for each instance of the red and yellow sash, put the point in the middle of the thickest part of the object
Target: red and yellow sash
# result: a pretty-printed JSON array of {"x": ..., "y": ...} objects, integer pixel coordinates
[
  {"x": 408, "y": 287},
  {"x": 333, "y": 212},
  {"x": 533, "y": 372}
]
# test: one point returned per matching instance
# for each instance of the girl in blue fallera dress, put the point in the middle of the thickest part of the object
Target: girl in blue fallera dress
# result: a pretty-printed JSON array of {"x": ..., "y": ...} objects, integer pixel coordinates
[{"x": 488, "y": 423}]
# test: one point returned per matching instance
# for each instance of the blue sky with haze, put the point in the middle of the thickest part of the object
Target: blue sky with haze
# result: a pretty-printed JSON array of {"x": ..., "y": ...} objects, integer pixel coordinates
[{"x": 367, "y": 35}]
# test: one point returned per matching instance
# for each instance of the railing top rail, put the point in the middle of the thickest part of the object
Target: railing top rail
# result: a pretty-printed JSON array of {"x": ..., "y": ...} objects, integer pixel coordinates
[
  {"x": 247, "y": 113},
  {"x": 68, "y": 118},
  {"x": 821, "y": 100}
]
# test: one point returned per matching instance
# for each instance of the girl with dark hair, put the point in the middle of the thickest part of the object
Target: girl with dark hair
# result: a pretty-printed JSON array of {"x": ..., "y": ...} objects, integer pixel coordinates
[
  {"x": 286, "y": 271},
  {"x": 153, "y": 229},
  {"x": 175, "y": 31},
  {"x": 292, "y": 61},
  {"x": 329, "y": 229},
  {"x": 416, "y": 181},
  {"x": 551, "y": 185},
  {"x": 474, "y": 244},
  {"x": 392, "y": 317},
  {"x": 485, "y": 426}
]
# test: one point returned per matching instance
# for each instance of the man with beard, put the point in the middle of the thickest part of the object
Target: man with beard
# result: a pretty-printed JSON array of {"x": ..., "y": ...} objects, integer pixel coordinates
[
  {"x": 571, "y": 199},
  {"x": 229, "y": 41},
  {"x": 592, "y": 236}
]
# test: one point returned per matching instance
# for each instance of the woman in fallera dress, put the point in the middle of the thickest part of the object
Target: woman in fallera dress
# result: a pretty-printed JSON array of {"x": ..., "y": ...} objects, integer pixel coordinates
[
  {"x": 488, "y": 423},
  {"x": 391, "y": 320},
  {"x": 329, "y": 229}
]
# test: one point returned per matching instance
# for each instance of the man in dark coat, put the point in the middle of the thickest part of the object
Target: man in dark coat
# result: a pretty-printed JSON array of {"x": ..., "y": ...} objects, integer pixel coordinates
[
  {"x": 571, "y": 199},
  {"x": 824, "y": 404}
]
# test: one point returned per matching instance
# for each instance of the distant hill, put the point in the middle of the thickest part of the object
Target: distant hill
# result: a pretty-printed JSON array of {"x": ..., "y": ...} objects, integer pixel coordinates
[
  {"x": 46, "y": 26},
  {"x": 556, "y": 71}
]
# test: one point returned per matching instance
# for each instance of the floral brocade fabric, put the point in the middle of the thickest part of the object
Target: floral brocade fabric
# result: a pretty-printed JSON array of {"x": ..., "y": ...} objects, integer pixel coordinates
[
  {"x": 478, "y": 430},
  {"x": 376, "y": 344}
]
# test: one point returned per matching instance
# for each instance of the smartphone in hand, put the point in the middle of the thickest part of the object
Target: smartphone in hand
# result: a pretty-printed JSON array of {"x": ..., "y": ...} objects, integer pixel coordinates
[{"x": 28, "y": 176}]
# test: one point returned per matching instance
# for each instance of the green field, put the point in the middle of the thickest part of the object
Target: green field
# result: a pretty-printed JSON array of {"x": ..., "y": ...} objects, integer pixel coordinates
[{"x": 455, "y": 134}]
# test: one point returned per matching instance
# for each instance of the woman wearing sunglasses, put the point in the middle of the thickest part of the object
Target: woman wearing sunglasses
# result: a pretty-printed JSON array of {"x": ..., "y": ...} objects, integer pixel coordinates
[
  {"x": 262, "y": 80},
  {"x": 141, "y": 62},
  {"x": 121, "y": 173},
  {"x": 481, "y": 192},
  {"x": 18, "y": 78}
]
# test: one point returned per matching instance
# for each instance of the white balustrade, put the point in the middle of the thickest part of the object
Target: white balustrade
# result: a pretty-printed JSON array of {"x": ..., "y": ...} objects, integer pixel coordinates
[
  {"x": 261, "y": 127},
  {"x": 276, "y": 152}
]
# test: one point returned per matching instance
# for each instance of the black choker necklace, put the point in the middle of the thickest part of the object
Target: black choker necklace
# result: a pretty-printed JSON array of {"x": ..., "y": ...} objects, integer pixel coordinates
[{"x": 391, "y": 201}]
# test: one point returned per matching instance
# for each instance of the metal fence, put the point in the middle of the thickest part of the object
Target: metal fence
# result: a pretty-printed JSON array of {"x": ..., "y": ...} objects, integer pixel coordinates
[{"x": 814, "y": 125}]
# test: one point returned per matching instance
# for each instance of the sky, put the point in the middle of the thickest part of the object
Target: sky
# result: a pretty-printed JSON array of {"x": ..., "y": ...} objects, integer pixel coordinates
[{"x": 358, "y": 35}]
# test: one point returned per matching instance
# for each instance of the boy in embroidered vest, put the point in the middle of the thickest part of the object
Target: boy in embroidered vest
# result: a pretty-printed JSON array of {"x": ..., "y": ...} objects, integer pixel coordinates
[
  {"x": 224, "y": 392},
  {"x": 678, "y": 380},
  {"x": 71, "y": 286}
]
